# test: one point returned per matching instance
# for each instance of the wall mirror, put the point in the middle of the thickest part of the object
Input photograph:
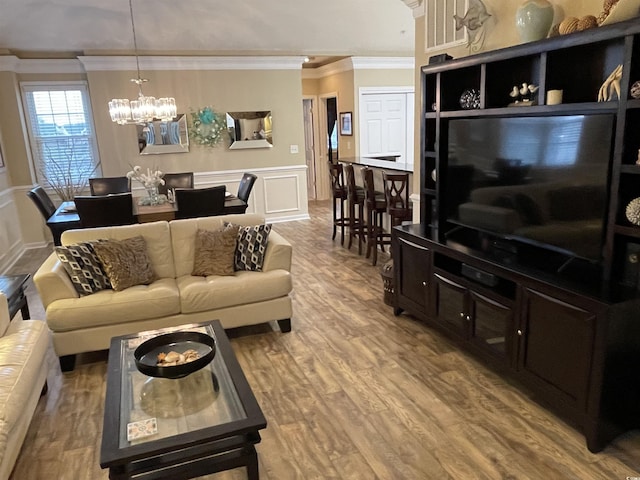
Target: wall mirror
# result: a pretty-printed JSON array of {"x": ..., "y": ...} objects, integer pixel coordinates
[
  {"x": 164, "y": 137},
  {"x": 250, "y": 129}
]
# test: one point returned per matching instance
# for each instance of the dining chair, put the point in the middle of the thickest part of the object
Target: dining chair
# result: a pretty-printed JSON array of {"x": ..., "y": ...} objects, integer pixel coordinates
[
  {"x": 246, "y": 185},
  {"x": 47, "y": 208},
  {"x": 109, "y": 185},
  {"x": 105, "y": 211},
  {"x": 176, "y": 180},
  {"x": 200, "y": 202}
]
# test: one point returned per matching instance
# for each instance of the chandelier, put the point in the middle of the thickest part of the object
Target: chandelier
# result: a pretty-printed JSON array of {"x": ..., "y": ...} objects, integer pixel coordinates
[{"x": 144, "y": 109}]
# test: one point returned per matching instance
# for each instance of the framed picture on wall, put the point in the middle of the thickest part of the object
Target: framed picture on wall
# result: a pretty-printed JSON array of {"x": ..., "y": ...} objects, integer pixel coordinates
[{"x": 345, "y": 124}]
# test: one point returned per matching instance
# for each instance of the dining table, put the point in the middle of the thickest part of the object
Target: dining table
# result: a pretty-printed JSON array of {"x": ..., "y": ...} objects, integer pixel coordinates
[{"x": 66, "y": 216}]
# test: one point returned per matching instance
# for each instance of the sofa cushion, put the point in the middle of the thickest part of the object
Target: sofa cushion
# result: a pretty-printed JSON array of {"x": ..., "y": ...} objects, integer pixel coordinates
[
  {"x": 215, "y": 252},
  {"x": 183, "y": 234},
  {"x": 586, "y": 202},
  {"x": 251, "y": 247},
  {"x": 108, "y": 307},
  {"x": 84, "y": 267},
  {"x": 199, "y": 294},
  {"x": 156, "y": 234},
  {"x": 126, "y": 262},
  {"x": 22, "y": 355}
]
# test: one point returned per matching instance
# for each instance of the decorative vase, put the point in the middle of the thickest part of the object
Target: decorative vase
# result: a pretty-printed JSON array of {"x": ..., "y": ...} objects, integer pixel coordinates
[
  {"x": 153, "y": 198},
  {"x": 534, "y": 19}
]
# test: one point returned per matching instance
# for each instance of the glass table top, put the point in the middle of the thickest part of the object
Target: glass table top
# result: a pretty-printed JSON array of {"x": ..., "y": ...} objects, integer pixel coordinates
[{"x": 154, "y": 408}]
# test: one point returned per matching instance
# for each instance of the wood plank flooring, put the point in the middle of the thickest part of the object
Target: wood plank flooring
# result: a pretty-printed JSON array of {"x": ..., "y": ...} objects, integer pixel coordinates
[{"x": 351, "y": 393}]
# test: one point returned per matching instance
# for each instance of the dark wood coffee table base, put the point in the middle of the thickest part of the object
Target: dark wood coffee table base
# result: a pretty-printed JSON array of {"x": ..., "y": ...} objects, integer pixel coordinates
[{"x": 207, "y": 458}]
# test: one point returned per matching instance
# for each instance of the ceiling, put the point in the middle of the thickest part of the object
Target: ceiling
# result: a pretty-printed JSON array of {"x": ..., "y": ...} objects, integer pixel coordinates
[{"x": 318, "y": 28}]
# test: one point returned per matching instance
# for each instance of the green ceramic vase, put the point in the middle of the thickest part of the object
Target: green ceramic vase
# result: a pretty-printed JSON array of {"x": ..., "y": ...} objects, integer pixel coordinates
[{"x": 533, "y": 20}]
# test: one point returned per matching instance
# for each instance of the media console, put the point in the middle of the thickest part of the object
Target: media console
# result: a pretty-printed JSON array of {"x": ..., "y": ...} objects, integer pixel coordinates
[{"x": 567, "y": 328}]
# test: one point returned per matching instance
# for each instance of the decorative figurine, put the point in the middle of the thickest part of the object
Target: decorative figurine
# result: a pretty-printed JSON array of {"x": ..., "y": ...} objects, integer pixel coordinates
[
  {"x": 474, "y": 21},
  {"x": 523, "y": 95},
  {"x": 612, "y": 83},
  {"x": 635, "y": 90}
]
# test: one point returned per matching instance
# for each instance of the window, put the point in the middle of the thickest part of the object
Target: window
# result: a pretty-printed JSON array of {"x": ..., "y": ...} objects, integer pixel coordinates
[{"x": 61, "y": 133}]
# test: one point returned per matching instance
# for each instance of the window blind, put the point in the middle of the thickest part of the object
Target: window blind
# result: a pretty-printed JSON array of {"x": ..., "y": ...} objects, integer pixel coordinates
[{"x": 61, "y": 134}]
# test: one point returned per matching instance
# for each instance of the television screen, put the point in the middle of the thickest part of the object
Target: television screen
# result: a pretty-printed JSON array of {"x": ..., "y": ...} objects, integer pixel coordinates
[{"x": 542, "y": 180}]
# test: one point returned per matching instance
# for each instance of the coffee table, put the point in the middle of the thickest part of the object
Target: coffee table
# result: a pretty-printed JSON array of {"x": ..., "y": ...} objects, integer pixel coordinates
[{"x": 158, "y": 428}]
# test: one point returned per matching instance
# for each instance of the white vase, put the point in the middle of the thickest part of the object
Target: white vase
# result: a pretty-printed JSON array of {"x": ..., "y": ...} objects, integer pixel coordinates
[{"x": 534, "y": 19}]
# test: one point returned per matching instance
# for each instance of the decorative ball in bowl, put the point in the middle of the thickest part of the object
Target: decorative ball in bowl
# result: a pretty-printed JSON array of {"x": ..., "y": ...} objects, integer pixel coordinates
[{"x": 175, "y": 355}]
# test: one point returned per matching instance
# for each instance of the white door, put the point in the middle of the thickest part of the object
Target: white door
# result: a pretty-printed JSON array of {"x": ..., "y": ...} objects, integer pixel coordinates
[{"x": 384, "y": 121}]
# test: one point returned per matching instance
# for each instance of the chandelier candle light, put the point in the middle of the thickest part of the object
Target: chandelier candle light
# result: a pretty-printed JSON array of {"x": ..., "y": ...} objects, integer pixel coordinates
[
  {"x": 150, "y": 181},
  {"x": 144, "y": 109}
]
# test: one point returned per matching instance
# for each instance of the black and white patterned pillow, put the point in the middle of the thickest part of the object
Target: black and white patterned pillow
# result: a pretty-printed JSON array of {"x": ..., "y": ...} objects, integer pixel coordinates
[
  {"x": 84, "y": 268},
  {"x": 251, "y": 247}
]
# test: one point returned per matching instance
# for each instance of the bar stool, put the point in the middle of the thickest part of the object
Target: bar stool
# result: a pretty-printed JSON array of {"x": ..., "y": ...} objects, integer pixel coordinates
[
  {"x": 355, "y": 199},
  {"x": 376, "y": 207},
  {"x": 339, "y": 192},
  {"x": 396, "y": 194}
]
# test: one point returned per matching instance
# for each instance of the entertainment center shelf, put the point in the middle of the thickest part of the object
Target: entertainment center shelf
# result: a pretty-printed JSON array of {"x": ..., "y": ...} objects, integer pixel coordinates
[{"x": 564, "y": 322}]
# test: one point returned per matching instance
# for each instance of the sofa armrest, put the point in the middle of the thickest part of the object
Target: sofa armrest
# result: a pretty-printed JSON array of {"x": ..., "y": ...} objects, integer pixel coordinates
[
  {"x": 52, "y": 282},
  {"x": 278, "y": 254}
]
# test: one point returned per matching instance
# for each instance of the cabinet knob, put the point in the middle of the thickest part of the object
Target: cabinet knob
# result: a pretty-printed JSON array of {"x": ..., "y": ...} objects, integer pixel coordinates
[
  {"x": 468, "y": 318},
  {"x": 461, "y": 314},
  {"x": 424, "y": 284},
  {"x": 519, "y": 332}
]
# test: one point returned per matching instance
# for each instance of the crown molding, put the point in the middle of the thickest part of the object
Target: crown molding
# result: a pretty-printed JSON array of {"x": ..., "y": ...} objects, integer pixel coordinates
[
  {"x": 105, "y": 63},
  {"x": 49, "y": 65},
  {"x": 8, "y": 63},
  {"x": 359, "y": 63},
  {"x": 417, "y": 7}
]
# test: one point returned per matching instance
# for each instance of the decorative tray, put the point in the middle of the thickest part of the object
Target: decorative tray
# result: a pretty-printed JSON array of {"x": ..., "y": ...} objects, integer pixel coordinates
[{"x": 147, "y": 354}]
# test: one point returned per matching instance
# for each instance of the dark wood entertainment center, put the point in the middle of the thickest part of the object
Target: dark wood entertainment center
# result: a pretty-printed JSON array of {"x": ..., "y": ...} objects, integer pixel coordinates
[{"x": 571, "y": 336}]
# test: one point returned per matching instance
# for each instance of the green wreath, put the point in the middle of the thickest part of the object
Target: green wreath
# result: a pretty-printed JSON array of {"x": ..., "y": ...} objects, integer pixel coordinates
[{"x": 208, "y": 128}]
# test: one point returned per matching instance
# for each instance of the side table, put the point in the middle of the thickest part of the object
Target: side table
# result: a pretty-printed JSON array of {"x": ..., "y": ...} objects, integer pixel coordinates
[{"x": 13, "y": 288}]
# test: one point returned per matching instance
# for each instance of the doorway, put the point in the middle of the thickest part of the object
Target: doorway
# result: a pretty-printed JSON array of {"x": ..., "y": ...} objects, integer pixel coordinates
[
  {"x": 321, "y": 142},
  {"x": 308, "y": 109}
]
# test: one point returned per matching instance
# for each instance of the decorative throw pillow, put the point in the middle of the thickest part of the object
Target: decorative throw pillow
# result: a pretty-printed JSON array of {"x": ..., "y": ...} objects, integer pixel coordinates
[
  {"x": 126, "y": 262},
  {"x": 215, "y": 252},
  {"x": 83, "y": 267},
  {"x": 251, "y": 247}
]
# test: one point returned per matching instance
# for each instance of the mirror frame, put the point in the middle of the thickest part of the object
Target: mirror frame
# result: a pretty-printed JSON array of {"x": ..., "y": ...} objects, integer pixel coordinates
[
  {"x": 179, "y": 144},
  {"x": 258, "y": 139}
]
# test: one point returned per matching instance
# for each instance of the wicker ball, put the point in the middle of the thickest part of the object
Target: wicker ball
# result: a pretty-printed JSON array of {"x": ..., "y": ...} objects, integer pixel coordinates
[
  {"x": 607, "y": 5},
  {"x": 635, "y": 90},
  {"x": 568, "y": 25},
  {"x": 633, "y": 211},
  {"x": 587, "y": 22}
]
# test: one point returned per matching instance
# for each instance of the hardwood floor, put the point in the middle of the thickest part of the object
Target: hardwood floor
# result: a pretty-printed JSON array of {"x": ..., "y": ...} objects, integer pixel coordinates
[{"x": 351, "y": 393}]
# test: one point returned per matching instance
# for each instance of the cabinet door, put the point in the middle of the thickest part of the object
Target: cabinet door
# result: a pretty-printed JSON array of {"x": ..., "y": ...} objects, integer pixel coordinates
[
  {"x": 413, "y": 260},
  {"x": 557, "y": 346},
  {"x": 491, "y": 325},
  {"x": 450, "y": 307}
]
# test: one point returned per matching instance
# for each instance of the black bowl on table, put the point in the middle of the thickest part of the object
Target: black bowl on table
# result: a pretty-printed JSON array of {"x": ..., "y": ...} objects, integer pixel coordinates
[{"x": 146, "y": 355}]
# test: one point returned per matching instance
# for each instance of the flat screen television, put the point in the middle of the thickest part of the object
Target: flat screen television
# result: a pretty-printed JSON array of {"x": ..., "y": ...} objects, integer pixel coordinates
[{"x": 542, "y": 180}]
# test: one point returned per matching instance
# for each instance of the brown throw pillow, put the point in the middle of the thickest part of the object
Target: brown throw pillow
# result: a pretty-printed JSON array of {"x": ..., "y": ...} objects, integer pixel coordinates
[
  {"x": 215, "y": 252},
  {"x": 126, "y": 262}
]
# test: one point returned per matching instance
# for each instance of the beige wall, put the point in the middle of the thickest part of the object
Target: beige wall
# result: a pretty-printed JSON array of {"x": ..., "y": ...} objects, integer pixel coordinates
[{"x": 237, "y": 90}]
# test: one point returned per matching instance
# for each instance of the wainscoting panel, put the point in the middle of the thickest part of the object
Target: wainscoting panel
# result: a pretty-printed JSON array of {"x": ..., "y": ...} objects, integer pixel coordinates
[
  {"x": 281, "y": 194},
  {"x": 11, "y": 244}
]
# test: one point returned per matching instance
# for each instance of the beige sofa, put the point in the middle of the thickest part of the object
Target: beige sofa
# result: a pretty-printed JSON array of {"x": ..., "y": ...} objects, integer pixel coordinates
[
  {"x": 87, "y": 323},
  {"x": 23, "y": 377}
]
